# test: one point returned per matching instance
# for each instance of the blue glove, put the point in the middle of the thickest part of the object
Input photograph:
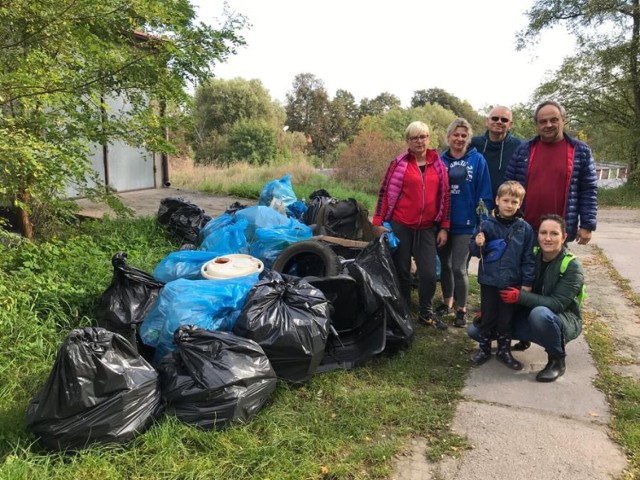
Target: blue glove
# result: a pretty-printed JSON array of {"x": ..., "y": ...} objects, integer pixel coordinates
[{"x": 393, "y": 240}]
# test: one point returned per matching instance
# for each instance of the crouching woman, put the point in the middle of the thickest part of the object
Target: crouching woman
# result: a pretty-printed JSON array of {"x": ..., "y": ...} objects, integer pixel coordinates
[{"x": 551, "y": 314}]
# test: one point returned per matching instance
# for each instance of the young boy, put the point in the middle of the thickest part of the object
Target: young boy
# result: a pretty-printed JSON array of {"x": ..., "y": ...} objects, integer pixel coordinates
[{"x": 504, "y": 244}]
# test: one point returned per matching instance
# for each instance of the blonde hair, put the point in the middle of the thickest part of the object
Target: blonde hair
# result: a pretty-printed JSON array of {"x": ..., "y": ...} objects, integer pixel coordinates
[
  {"x": 511, "y": 187},
  {"x": 416, "y": 128}
]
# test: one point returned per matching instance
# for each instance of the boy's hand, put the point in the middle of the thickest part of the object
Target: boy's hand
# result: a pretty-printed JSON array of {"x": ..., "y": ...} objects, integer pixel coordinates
[
  {"x": 525, "y": 289},
  {"x": 480, "y": 239},
  {"x": 510, "y": 295}
]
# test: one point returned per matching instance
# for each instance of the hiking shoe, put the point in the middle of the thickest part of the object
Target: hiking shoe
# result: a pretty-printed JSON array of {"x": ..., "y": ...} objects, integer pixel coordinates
[
  {"x": 442, "y": 311},
  {"x": 432, "y": 322},
  {"x": 460, "y": 320}
]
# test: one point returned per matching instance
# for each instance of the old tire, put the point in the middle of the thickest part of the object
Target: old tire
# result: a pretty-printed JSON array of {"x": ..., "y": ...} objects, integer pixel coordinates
[{"x": 308, "y": 258}]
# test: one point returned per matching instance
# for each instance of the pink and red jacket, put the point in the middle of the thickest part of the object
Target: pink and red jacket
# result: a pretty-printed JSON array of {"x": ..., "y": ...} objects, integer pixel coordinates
[{"x": 416, "y": 209}]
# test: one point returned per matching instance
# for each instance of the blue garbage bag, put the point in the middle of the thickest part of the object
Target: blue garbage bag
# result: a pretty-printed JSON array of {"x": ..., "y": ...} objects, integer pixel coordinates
[
  {"x": 182, "y": 264},
  {"x": 296, "y": 210},
  {"x": 281, "y": 190},
  {"x": 209, "y": 304},
  {"x": 229, "y": 238},
  {"x": 215, "y": 224},
  {"x": 268, "y": 243},
  {"x": 260, "y": 216}
]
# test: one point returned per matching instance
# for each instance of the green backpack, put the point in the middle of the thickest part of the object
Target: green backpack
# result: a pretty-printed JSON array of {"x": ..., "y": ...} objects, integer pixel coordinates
[{"x": 582, "y": 294}]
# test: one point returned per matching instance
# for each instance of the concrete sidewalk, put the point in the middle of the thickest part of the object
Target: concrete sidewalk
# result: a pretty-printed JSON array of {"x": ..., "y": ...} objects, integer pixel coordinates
[{"x": 523, "y": 429}]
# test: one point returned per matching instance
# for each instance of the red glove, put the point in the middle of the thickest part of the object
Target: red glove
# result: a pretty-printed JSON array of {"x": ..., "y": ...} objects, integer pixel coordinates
[{"x": 510, "y": 295}]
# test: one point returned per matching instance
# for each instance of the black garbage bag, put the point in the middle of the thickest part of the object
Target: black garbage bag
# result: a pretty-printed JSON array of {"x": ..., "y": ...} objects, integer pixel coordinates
[
  {"x": 129, "y": 298},
  {"x": 375, "y": 274},
  {"x": 316, "y": 200},
  {"x": 182, "y": 218},
  {"x": 215, "y": 378},
  {"x": 99, "y": 391},
  {"x": 289, "y": 319}
]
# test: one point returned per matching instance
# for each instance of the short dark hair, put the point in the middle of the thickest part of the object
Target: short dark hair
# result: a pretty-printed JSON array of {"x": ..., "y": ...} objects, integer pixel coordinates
[
  {"x": 556, "y": 218},
  {"x": 553, "y": 103}
]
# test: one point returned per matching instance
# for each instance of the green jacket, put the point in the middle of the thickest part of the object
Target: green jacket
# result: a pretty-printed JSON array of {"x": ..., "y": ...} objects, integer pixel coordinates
[{"x": 558, "y": 292}]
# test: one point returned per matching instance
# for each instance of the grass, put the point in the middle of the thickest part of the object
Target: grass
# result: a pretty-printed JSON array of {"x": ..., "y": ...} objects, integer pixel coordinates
[
  {"x": 623, "y": 393},
  {"x": 347, "y": 424},
  {"x": 626, "y": 196},
  {"x": 246, "y": 181}
]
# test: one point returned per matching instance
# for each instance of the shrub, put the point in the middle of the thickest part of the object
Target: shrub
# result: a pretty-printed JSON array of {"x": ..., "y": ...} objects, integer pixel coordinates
[{"x": 363, "y": 163}]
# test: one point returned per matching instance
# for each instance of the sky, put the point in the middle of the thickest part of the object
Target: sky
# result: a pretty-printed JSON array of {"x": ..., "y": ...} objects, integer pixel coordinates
[{"x": 466, "y": 47}]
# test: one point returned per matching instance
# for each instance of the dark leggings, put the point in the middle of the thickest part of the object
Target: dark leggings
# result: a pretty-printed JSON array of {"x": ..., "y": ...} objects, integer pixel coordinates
[
  {"x": 496, "y": 315},
  {"x": 421, "y": 245}
]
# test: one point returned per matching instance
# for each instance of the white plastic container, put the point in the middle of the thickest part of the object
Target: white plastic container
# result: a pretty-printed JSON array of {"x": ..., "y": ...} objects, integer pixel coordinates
[{"x": 231, "y": 266}]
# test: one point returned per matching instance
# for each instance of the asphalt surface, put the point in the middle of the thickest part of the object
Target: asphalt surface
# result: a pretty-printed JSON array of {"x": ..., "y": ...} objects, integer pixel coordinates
[{"x": 520, "y": 428}]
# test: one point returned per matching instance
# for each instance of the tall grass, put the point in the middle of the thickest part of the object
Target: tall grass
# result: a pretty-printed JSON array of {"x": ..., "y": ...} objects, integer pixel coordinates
[{"x": 245, "y": 180}]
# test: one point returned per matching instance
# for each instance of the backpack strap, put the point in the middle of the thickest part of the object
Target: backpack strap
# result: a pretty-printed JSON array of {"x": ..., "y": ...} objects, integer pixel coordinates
[{"x": 582, "y": 294}]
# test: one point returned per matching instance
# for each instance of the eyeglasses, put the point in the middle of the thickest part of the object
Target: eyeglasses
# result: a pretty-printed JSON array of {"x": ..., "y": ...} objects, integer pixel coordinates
[
  {"x": 502, "y": 119},
  {"x": 419, "y": 137}
]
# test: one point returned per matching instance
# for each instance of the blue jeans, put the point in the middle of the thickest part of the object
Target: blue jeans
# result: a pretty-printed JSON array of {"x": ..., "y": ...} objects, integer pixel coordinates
[{"x": 539, "y": 325}]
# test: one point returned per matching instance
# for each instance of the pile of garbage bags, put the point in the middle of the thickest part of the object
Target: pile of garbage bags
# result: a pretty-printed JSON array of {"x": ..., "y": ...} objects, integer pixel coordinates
[{"x": 210, "y": 351}]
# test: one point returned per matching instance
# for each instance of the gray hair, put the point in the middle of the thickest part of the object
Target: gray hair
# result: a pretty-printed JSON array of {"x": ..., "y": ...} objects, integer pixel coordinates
[{"x": 553, "y": 103}]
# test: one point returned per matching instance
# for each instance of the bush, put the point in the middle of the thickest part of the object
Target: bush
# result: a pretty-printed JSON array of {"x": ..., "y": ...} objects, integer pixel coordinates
[
  {"x": 364, "y": 162},
  {"x": 252, "y": 141}
]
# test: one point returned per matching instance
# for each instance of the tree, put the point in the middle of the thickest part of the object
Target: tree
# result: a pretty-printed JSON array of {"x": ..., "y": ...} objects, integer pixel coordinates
[
  {"x": 600, "y": 84},
  {"x": 379, "y": 105},
  {"x": 307, "y": 108},
  {"x": 461, "y": 108},
  {"x": 344, "y": 116},
  {"x": 219, "y": 105},
  {"x": 62, "y": 59}
]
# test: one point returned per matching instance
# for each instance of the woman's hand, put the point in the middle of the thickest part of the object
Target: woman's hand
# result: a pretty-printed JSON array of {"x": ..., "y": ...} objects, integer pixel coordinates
[
  {"x": 480, "y": 239},
  {"x": 525, "y": 289},
  {"x": 379, "y": 230},
  {"x": 441, "y": 239}
]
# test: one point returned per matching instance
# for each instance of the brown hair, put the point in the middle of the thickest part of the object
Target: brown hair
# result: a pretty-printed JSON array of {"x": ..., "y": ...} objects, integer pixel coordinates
[
  {"x": 556, "y": 218},
  {"x": 511, "y": 187}
]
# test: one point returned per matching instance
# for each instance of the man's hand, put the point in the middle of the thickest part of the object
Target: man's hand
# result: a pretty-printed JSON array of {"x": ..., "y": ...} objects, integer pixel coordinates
[
  {"x": 510, "y": 295},
  {"x": 583, "y": 237}
]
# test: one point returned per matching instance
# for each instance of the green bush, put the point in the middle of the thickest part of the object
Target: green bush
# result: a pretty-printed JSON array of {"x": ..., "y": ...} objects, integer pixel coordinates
[{"x": 252, "y": 141}]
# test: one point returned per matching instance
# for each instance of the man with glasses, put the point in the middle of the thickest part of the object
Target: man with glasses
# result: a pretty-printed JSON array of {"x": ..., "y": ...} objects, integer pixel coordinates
[{"x": 497, "y": 144}]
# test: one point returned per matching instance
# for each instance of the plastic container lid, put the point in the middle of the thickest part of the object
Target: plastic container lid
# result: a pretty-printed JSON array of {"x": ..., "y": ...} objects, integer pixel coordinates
[{"x": 231, "y": 266}]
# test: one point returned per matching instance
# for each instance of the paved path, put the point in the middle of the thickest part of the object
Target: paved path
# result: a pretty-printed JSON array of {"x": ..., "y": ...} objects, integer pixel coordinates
[
  {"x": 520, "y": 428},
  {"x": 523, "y": 429}
]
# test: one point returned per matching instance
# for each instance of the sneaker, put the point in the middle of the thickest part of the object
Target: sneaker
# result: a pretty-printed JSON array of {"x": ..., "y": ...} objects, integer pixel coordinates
[
  {"x": 460, "y": 320},
  {"x": 442, "y": 311},
  {"x": 432, "y": 322}
]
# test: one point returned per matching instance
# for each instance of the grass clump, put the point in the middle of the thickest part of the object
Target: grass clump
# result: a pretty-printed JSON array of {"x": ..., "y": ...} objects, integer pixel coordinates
[{"x": 345, "y": 424}]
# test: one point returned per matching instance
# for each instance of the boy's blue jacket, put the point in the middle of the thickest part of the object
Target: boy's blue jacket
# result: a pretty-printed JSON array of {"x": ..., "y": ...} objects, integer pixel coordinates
[
  {"x": 466, "y": 192},
  {"x": 516, "y": 267}
]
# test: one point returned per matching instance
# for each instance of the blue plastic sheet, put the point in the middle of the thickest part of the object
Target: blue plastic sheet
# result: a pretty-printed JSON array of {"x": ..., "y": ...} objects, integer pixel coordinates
[
  {"x": 209, "y": 304},
  {"x": 182, "y": 264},
  {"x": 270, "y": 242},
  {"x": 227, "y": 238}
]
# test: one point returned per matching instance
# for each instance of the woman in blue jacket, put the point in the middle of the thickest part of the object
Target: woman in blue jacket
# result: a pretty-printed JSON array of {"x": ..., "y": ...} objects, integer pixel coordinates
[{"x": 469, "y": 184}]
